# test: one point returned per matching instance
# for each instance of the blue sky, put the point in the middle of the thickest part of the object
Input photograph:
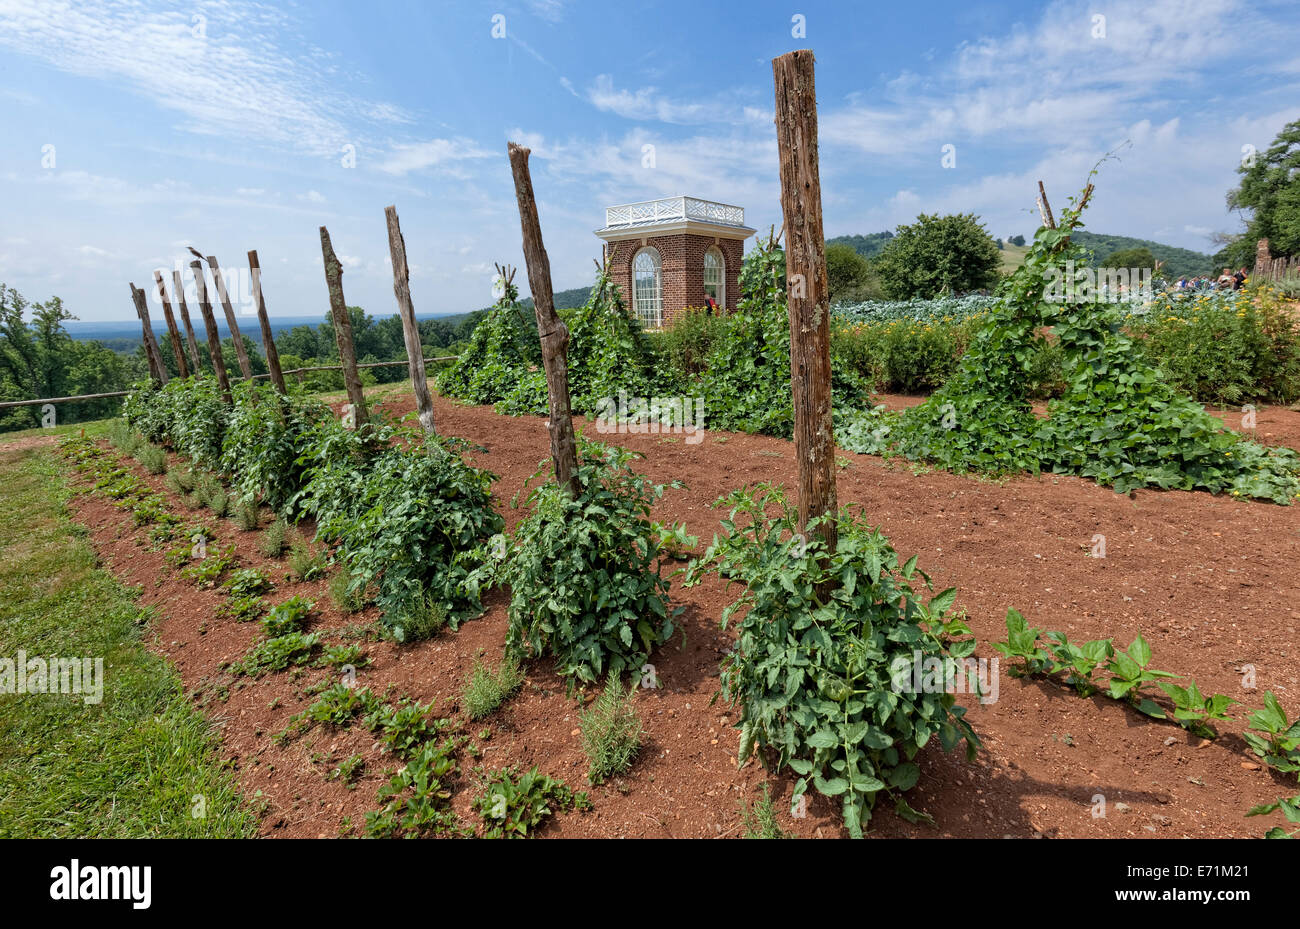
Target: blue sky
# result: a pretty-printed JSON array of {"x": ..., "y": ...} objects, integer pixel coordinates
[{"x": 227, "y": 125}]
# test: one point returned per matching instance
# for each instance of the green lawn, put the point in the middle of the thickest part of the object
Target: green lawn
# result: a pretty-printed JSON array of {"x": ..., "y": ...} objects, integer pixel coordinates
[{"x": 142, "y": 762}]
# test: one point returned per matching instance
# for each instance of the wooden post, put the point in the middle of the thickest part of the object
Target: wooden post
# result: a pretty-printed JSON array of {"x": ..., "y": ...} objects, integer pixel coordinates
[
  {"x": 552, "y": 332},
  {"x": 181, "y": 366},
  {"x": 235, "y": 335},
  {"x": 410, "y": 330},
  {"x": 343, "y": 328},
  {"x": 214, "y": 337},
  {"x": 178, "y": 287},
  {"x": 268, "y": 341},
  {"x": 156, "y": 366},
  {"x": 1045, "y": 208},
  {"x": 809, "y": 294}
]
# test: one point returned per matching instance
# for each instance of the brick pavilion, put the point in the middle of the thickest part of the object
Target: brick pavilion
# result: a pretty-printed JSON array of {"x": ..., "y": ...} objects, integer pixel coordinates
[{"x": 674, "y": 253}]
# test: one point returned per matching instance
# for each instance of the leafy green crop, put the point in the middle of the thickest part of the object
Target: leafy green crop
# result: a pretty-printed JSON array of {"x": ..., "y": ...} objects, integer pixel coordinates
[
  {"x": 583, "y": 578},
  {"x": 1118, "y": 421},
  {"x": 816, "y": 675},
  {"x": 1272, "y": 738},
  {"x": 514, "y": 805}
]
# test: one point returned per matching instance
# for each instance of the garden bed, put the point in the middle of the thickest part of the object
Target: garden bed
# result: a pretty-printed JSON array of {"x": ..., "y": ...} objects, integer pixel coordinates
[{"x": 1208, "y": 581}]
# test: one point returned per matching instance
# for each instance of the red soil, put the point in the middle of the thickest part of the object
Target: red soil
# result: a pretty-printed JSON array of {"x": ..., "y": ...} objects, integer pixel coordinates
[{"x": 1209, "y": 581}]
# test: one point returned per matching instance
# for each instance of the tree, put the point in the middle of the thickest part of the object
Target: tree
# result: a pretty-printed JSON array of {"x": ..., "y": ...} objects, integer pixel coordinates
[
  {"x": 939, "y": 254},
  {"x": 849, "y": 274},
  {"x": 1129, "y": 258},
  {"x": 1268, "y": 200},
  {"x": 1017, "y": 240}
]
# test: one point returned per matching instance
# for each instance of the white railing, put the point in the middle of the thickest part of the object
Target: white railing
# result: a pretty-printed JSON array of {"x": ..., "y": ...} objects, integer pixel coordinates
[{"x": 667, "y": 209}]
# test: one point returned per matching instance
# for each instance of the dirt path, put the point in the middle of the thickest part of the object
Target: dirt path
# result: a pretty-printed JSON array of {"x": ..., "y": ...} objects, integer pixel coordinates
[{"x": 1209, "y": 581}]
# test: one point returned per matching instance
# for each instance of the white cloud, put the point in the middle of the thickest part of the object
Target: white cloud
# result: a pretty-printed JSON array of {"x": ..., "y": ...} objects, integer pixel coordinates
[
  {"x": 444, "y": 154},
  {"x": 226, "y": 74}
]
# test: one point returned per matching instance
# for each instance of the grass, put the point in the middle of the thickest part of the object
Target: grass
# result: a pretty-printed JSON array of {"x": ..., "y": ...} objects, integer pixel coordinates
[{"x": 140, "y": 764}]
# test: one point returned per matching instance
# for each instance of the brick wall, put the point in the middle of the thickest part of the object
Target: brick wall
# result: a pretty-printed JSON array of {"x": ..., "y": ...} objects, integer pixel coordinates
[{"x": 682, "y": 258}]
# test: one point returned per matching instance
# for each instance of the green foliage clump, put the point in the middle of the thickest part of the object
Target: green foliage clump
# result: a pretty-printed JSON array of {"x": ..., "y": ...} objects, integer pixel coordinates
[
  {"x": 1118, "y": 421},
  {"x": 289, "y": 616},
  {"x": 266, "y": 437},
  {"x": 821, "y": 668},
  {"x": 153, "y": 458},
  {"x": 405, "y": 727},
  {"x": 746, "y": 381},
  {"x": 248, "y": 581},
  {"x": 337, "y": 706},
  {"x": 486, "y": 688},
  {"x": 584, "y": 582},
  {"x": 305, "y": 562},
  {"x": 187, "y": 414},
  {"x": 501, "y": 349},
  {"x": 1224, "y": 347},
  {"x": 417, "y": 796},
  {"x": 277, "y": 653},
  {"x": 514, "y": 805},
  {"x": 938, "y": 255},
  {"x": 611, "y": 732},
  {"x": 416, "y": 522}
]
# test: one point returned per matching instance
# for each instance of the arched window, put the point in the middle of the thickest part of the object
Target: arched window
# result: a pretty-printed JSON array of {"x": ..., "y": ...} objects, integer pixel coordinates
[
  {"x": 647, "y": 288},
  {"x": 715, "y": 277}
]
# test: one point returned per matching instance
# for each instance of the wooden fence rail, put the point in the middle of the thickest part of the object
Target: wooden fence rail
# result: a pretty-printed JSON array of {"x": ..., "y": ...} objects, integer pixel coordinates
[{"x": 10, "y": 404}]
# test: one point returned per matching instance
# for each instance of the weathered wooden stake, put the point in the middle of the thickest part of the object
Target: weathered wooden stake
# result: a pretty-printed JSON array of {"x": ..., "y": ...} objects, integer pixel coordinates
[
  {"x": 1045, "y": 208},
  {"x": 181, "y": 366},
  {"x": 343, "y": 329},
  {"x": 235, "y": 335},
  {"x": 410, "y": 329},
  {"x": 809, "y": 294},
  {"x": 156, "y": 366},
  {"x": 214, "y": 336},
  {"x": 178, "y": 287},
  {"x": 554, "y": 335},
  {"x": 268, "y": 341}
]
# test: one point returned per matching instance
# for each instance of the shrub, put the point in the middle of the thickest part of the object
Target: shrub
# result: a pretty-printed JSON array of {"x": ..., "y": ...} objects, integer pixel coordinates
[
  {"x": 815, "y": 669},
  {"x": 683, "y": 348},
  {"x": 611, "y": 732},
  {"x": 180, "y": 482},
  {"x": 583, "y": 578},
  {"x": 1224, "y": 347},
  {"x": 486, "y": 689}
]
